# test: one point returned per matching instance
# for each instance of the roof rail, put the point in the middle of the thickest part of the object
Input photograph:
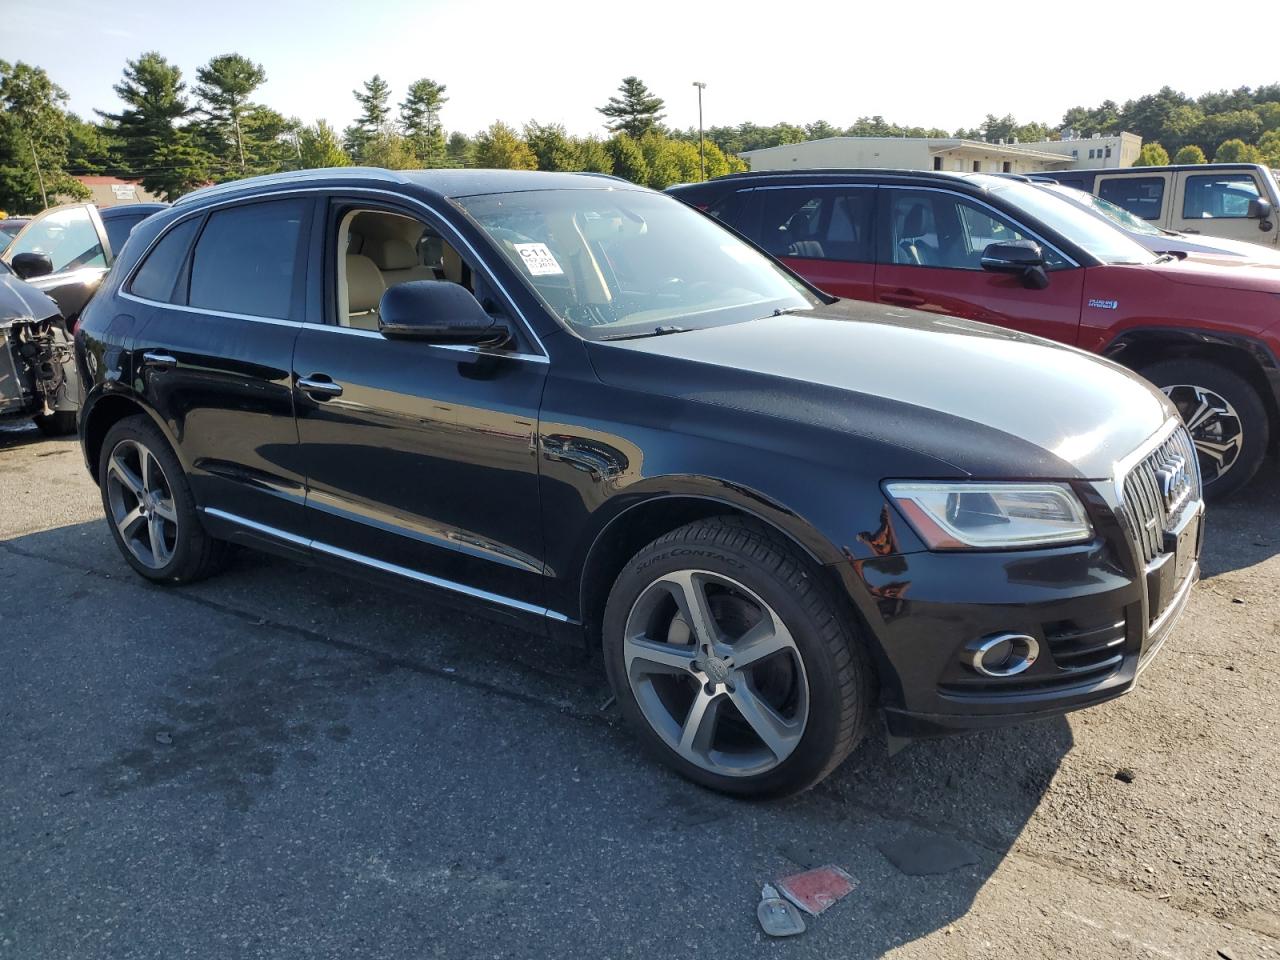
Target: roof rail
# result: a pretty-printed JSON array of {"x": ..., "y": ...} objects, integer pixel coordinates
[{"x": 290, "y": 176}]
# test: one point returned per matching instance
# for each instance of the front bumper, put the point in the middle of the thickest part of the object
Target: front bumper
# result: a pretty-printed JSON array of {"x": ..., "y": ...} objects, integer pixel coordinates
[{"x": 1098, "y": 614}]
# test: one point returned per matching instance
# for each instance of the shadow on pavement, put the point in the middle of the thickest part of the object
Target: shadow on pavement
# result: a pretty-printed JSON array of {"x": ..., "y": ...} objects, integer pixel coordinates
[
  {"x": 274, "y": 736},
  {"x": 1245, "y": 529}
]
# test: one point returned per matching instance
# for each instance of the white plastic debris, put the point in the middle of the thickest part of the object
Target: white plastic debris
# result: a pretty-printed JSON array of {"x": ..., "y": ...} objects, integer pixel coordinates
[{"x": 778, "y": 917}]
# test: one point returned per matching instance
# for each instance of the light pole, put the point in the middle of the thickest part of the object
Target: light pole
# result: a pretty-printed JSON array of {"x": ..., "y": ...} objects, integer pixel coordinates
[{"x": 702, "y": 152}]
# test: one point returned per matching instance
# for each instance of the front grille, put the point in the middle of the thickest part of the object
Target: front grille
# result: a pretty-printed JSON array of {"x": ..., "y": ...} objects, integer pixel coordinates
[{"x": 1158, "y": 490}]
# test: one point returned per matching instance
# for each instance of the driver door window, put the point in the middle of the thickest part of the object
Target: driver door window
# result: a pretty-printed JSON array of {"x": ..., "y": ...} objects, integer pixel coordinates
[
  {"x": 68, "y": 237},
  {"x": 929, "y": 228}
]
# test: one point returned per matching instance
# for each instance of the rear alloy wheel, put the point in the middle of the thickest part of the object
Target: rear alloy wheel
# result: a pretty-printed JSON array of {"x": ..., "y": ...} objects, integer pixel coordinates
[
  {"x": 150, "y": 508},
  {"x": 1225, "y": 417},
  {"x": 730, "y": 657}
]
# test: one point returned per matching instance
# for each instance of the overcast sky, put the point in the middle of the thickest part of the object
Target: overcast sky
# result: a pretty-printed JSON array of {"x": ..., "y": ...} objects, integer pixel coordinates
[{"x": 919, "y": 63}]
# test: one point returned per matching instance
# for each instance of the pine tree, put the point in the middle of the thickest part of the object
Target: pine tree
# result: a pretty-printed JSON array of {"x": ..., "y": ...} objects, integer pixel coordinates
[
  {"x": 165, "y": 155},
  {"x": 375, "y": 113},
  {"x": 420, "y": 120},
  {"x": 636, "y": 112},
  {"x": 460, "y": 151},
  {"x": 501, "y": 148},
  {"x": 225, "y": 84}
]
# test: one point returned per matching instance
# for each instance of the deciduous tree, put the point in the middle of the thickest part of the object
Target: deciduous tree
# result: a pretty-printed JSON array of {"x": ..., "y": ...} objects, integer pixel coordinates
[
  {"x": 1237, "y": 151},
  {"x": 34, "y": 139},
  {"x": 501, "y": 148},
  {"x": 1190, "y": 154},
  {"x": 1152, "y": 155}
]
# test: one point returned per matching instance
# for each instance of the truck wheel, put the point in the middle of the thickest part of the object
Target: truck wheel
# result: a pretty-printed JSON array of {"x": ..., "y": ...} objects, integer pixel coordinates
[
  {"x": 57, "y": 424},
  {"x": 150, "y": 509},
  {"x": 1227, "y": 420},
  {"x": 734, "y": 662}
]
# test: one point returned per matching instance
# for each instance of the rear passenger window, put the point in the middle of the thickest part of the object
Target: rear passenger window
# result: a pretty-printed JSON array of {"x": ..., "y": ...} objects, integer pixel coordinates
[
  {"x": 1216, "y": 196},
  {"x": 818, "y": 224},
  {"x": 155, "y": 279},
  {"x": 1141, "y": 196},
  {"x": 245, "y": 259}
]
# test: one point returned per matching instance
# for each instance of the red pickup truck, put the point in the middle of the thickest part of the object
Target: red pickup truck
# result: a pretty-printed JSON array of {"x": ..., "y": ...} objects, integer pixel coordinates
[{"x": 1004, "y": 251}]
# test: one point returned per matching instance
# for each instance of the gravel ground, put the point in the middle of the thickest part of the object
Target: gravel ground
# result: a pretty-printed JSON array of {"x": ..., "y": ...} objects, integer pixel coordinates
[{"x": 279, "y": 763}]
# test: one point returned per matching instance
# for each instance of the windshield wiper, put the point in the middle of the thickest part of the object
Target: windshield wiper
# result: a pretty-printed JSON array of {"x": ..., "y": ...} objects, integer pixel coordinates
[{"x": 655, "y": 332}]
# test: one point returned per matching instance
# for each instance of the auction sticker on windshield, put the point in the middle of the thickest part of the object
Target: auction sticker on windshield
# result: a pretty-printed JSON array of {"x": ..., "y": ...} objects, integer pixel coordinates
[{"x": 538, "y": 260}]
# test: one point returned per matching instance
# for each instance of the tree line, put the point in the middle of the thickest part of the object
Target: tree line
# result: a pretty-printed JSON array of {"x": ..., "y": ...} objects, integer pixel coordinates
[{"x": 174, "y": 137}]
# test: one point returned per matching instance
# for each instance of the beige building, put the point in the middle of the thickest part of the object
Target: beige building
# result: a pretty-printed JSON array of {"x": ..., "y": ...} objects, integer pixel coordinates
[
  {"x": 950, "y": 153},
  {"x": 112, "y": 191}
]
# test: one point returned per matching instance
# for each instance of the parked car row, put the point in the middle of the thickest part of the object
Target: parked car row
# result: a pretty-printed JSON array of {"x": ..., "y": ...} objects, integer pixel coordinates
[
  {"x": 581, "y": 406},
  {"x": 1010, "y": 252}
]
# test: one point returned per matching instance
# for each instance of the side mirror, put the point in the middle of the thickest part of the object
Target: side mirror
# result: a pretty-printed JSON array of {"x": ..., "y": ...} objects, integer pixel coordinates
[
  {"x": 438, "y": 311},
  {"x": 1021, "y": 257},
  {"x": 28, "y": 266},
  {"x": 1261, "y": 209}
]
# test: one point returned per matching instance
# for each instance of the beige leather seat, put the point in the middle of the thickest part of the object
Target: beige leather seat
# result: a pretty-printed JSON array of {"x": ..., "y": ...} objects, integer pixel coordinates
[
  {"x": 364, "y": 291},
  {"x": 396, "y": 259}
]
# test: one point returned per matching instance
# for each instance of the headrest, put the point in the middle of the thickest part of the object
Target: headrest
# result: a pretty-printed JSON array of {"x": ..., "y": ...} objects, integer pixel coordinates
[
  {"x": 364, "y": 284},
  {"x": 913, "y": 223},
  {"x": 390, "y": 253}
]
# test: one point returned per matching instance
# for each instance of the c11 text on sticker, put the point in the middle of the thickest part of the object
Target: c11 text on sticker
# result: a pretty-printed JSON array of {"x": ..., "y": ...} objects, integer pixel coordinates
[{"x": 538, "y": 260}]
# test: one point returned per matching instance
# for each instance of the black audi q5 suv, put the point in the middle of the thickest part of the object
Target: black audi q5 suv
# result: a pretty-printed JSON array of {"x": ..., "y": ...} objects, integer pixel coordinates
[{"x": 583, "y": 406}]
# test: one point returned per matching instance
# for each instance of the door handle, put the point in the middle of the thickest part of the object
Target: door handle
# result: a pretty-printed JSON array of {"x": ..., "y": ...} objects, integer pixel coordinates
[
  {"x": 903, "y": 298},
  {"x": 153, "y": 358},
  {"x": 319, "y": 387}
]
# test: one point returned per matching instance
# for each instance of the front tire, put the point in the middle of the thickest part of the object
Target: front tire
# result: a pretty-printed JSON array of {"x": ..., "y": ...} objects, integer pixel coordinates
[
  {"x": 1225, "y": 415},
  {"x": 734, "y": 662},
  {"x": 149, "y": 506}
]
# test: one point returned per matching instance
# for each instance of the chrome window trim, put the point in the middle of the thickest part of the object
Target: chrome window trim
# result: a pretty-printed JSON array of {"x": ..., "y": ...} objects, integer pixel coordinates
[
  {"x": 454, "y": 347},
  {"x": 203, "y": 208},
  {"x": 125, "y": 295},
  {"x": 1002, "y": 214},
  {"x": 406, "y": 572}
]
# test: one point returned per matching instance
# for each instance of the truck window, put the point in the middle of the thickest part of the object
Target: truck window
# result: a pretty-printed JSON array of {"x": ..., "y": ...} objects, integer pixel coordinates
[
  {"x": 1141, "y": 196},
  {"x": 1218, "y": 196}
]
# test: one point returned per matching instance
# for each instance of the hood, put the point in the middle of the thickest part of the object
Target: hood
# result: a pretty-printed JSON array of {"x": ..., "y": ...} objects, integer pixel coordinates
[
  {"x": 19, "y": 300},
  {"x": 1212, "y": 248},
  {"x": 988, "y": 401},
  {"x": 1235, "y": 273}
]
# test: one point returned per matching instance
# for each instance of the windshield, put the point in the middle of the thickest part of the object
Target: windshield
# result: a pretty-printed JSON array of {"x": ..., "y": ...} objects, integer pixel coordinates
[
  {"x": 1112, "y": 211},
  {"x": 617, "y": 263},
  {"x": 1108, "y": 243}
]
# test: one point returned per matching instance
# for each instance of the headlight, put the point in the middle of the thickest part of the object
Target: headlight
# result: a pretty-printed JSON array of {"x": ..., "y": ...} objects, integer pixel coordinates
[{"x": 986, "y": 516}]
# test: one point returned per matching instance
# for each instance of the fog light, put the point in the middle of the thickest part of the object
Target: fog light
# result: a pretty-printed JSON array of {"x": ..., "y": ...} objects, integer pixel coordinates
[{"x": 1003, "y": 655}]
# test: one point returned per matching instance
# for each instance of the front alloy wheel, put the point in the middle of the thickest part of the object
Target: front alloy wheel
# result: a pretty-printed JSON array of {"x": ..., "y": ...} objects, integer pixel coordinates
[
  {"x": 716, "y": 673},
  {"x": 735, "y": 660}
]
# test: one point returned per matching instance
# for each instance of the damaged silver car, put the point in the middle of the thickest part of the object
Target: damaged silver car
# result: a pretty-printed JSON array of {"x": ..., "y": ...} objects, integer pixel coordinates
[{"x": 38, "y": 377}]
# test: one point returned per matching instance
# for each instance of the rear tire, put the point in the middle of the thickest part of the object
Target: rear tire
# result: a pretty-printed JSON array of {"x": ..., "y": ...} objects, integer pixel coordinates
[
  {"x": 150, "y": 509},
  {"x": 1226, "y": 417},
  {"x": 57, "y": 424},
  {"x": 783, "y": 659}
]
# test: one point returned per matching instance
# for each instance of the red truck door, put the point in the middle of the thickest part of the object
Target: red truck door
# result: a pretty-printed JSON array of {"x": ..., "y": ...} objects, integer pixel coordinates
[
  {"x": 824, "y": 233},
  {"x": 931, "y": 244}
]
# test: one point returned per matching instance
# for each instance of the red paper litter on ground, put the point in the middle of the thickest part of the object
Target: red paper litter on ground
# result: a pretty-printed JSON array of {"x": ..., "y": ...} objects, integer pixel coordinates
[{"x": 815, "y": 890}]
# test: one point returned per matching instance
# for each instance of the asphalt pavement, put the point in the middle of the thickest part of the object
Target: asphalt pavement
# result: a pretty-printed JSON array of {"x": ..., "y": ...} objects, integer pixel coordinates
[{"x": 281, "y": 762}]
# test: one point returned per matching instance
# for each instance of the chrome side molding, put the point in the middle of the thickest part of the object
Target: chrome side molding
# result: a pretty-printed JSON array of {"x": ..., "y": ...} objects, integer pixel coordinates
[{"x": 381, "y": 565}]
